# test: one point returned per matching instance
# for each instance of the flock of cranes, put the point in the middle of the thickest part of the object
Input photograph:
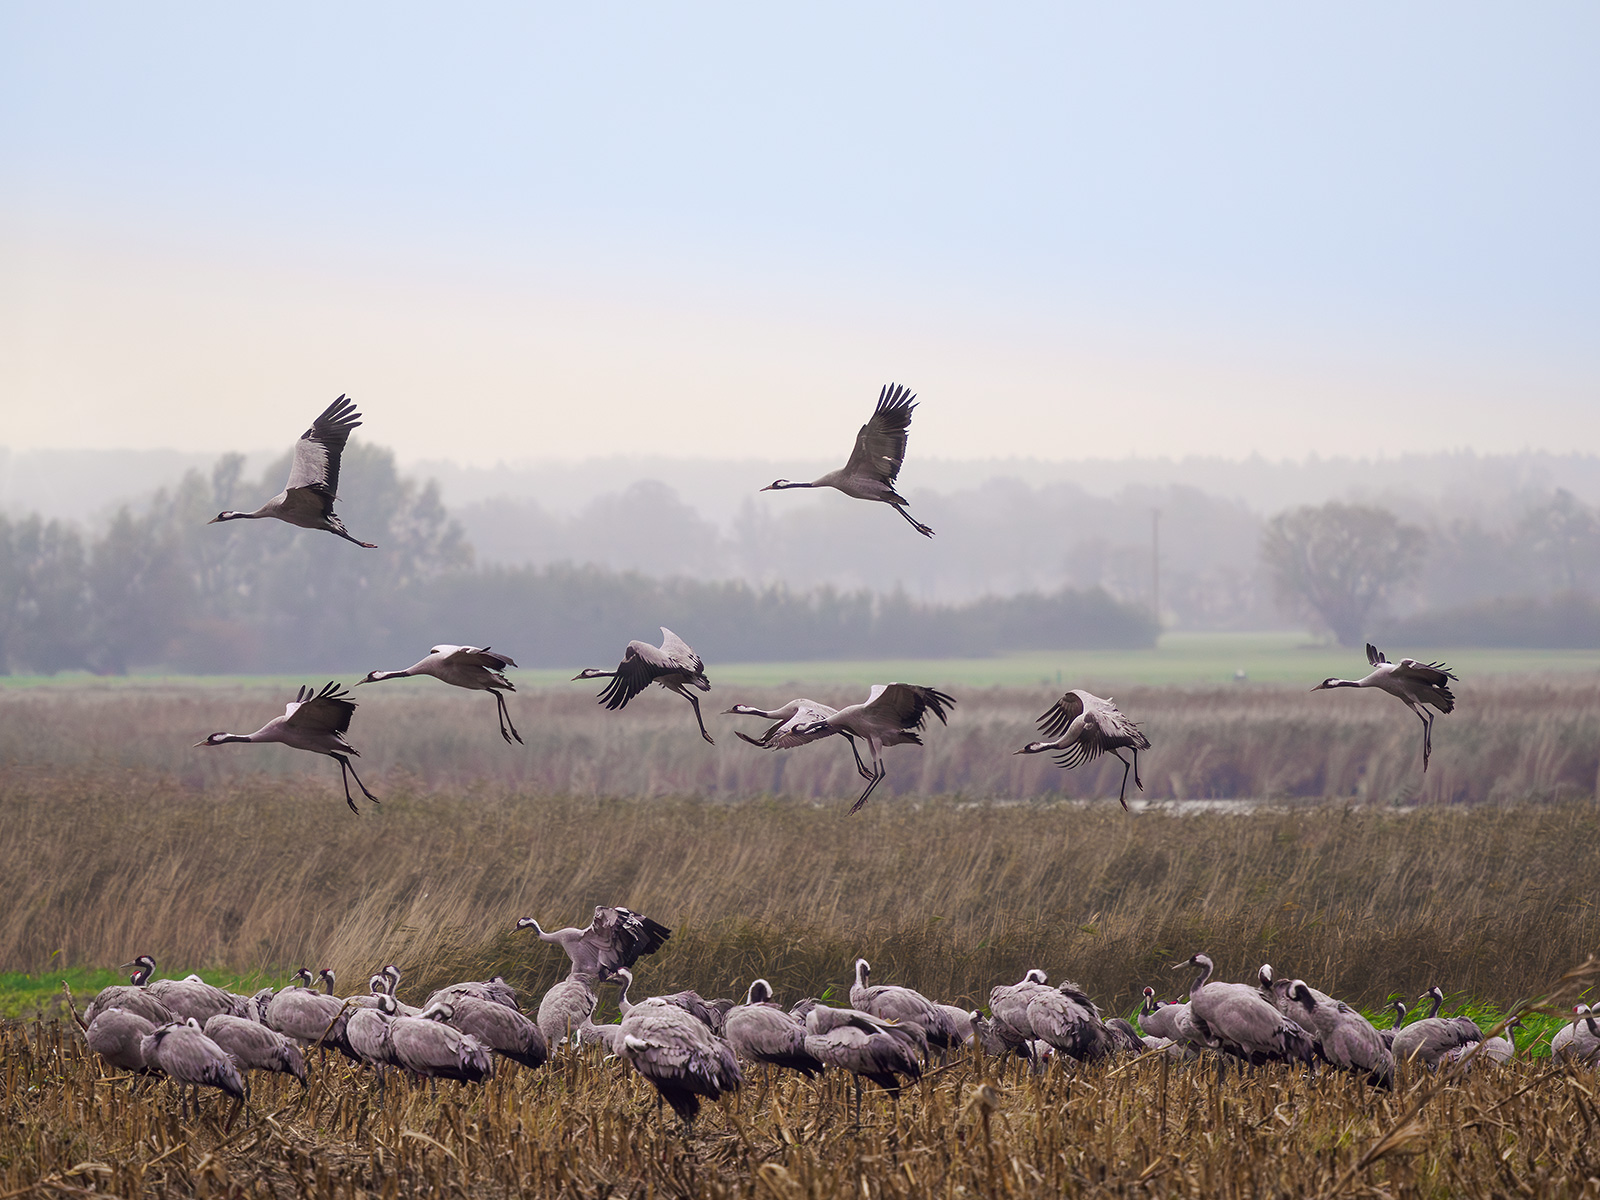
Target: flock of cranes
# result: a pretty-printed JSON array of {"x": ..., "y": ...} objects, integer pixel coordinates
[
  {"x": 1078, "y": 728},
  {"x": 690, "y": 1048}
]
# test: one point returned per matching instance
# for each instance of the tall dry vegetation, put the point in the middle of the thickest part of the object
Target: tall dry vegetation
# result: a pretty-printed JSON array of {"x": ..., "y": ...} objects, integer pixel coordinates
[
  {"x": 1508, "y": 740},
  {"x": 949, "y": 896}
]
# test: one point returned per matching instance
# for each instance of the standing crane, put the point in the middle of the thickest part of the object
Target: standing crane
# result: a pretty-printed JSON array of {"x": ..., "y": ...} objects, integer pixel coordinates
[
  {"x": 679, "y": 1055},
  {"x": 472, "y": 667},
  {"x": 1417, "y": 685},
  {"x": 1236, "y": 1019},
  {"x": 190, "y": 1059},
  {"x": 314, "y": 721},
  {"x": 672, "y": 664},
  {"x": 890, "y": 716},
  {"x": 1084, "y": 727},
  {"x": 875, "y": 462},
  {"x": 307, "y": 499}
]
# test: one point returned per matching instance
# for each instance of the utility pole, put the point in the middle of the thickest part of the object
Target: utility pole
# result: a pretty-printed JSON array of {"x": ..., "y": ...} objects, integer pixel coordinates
[{"x": 1155, "y": 565}]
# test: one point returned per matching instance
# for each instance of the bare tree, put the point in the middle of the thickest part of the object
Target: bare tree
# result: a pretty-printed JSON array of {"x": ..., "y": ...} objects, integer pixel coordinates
[{"x": 1340, "y": 561}]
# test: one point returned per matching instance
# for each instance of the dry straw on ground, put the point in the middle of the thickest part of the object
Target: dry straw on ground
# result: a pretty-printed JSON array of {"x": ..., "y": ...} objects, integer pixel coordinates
[{"x": 589, "y": 1128}]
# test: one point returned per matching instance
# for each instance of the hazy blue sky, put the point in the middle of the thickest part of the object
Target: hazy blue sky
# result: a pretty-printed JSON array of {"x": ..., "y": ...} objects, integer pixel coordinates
[{"x": 1075, "y": 230}]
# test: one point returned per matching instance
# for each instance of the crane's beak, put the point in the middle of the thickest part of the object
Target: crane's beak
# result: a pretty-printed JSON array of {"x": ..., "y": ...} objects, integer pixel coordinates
[
  {"x": 1180, "y": 966},
  {"x": 197, "y": 745}
]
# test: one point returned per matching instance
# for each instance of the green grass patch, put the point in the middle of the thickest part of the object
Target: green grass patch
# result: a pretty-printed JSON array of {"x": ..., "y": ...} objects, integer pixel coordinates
[
  {"x": 23, "y": 995},
  {"x": 1179, "y": 659}
]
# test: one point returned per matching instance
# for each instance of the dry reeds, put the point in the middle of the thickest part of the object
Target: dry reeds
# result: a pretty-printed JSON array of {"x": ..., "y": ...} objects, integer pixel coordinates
[
  {"x": 1507, "y": 741},
  {"x": 945, "y": 895}
]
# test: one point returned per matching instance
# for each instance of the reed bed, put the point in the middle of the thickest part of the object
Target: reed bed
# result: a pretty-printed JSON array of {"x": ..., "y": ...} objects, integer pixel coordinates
[
  {"x": 946, "y": 895},
  {"x": 585, "y": 1127},
  {"x": 1508, "y": 740}
]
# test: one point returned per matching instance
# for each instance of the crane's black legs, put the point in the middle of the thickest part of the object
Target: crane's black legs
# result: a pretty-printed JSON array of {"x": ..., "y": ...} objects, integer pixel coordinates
[
  {"x": 1122, "y": 796},
  {"x": 505, "y": 720},
  {"x": 344, "y": 765},
  {"x": 877, "y": 778},
  {"x": 697, "y": 716},
  {"x": 915, "y": 524},
  {"x": 1427, "y": 733},
  {"x": 861, "y": 767}
]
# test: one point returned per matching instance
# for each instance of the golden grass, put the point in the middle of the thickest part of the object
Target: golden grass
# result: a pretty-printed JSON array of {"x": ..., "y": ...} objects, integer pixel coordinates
[
  {"x": 944, "y": 895},
  {"x": 590, "y": 1128}
]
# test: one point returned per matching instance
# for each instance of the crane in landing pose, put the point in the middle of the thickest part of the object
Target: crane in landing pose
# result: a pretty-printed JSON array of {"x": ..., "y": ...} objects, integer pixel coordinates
[{"x": 1417, "y": 685}]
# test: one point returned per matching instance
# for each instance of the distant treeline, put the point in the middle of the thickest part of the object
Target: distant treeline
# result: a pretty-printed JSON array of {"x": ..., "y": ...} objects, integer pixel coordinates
[
  {"x": 1565, "y": 621},
  {"x": 158, "y": 587}
]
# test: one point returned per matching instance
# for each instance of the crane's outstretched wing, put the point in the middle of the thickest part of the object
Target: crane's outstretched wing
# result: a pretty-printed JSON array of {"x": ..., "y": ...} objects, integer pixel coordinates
[
  {"x": 881, "y": 443},
  {"x": 1374, "y": 655},
  {"x": 620, "y": 937},
  {"x": 328, "y": 710},
  {"x": 676, "y": 651},
  {"x": 909, "y": 704},
  {"x": 1433, "y": 674},
  {"x": 1054, "y": 720},
  {"x": 640, "y": 665},
  {"x": 316, "y": 454}
]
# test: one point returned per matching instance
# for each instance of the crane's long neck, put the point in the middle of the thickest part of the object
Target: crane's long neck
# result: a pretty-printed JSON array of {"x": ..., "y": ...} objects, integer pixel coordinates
[
  {"x": 238, "y": 737},
  {"x": 243, "y": 516},
  {"x": 142, "y": 976},
  {"x": 1348, "y": 683},
  {"x": 1399, "y": 1013},
  {"x": 624, "y": 1005},
  {"x": 784, "y": 485},
  {"x": 861, "y": 981},
  {"x": 379, "y": 676},
  {"x": 1434, "y": 1011},
  {"x": 1200, "y": 979}
]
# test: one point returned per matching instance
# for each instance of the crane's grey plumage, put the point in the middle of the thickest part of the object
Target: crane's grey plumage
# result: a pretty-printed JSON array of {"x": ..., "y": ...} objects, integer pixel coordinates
[
  {"x": 672, "y": 664},
  {"x": 608, "y": 1034},
  {"x": 472, "y": 667},
  {"x": 306, "y": 1015},
  {"x": 1417, "y": 685},
  {"x": 1236, "y": 1019},
  {"x": 891, "y": 715},
  {"x": 116, "y": 1035},
  {"x": 903, "y": 1005},
  {"x": 1430, "y": 1039},
  {"x": 133, "y": 996},
  {"x": 1172, "y": 1024},
  {"x": 504, "y": 1030},
  {"x": 1346, "y": 1038},
  {"x": 614, "y": 938},
  {"x": 1082, "y": 727},
  {"x": 1063, "y": 1018},
  {"x": 690, "y": 1001},
  {"x": 866, "y": 1046},
  {"x": 565, "y": 1008},
  {"x": 678, "y": 1054},
  {"x": 193, "y": 997},
  {"x": 875, "y": 463},
  {"x": 254, "y": 1047},
  {"x": 1580, "y": 1041},
  {"x": 308, "y": 498},
  {"x": 760, "y": 1031},
  {"x": 367, "y": 1033},
  {"x": 495, "y": 991},
  {"x": 189, "y": 1058},
  {"x": 314, "y": 721},
  {"x": 429, "y": 1047},
  {"x": 1493, "y": 1051},
  {"x": 788, "y": 718}
]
